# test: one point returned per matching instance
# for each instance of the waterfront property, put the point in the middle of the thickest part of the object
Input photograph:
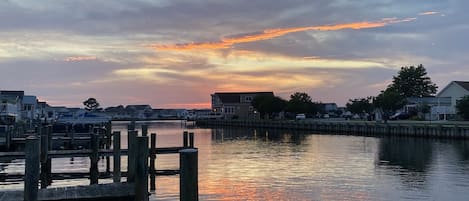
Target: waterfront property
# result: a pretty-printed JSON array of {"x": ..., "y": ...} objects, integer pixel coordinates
[
  {"x": 236, "y": 104},
  {"x": 409, "y": 128},
  {"x": 455, "y": 90}
]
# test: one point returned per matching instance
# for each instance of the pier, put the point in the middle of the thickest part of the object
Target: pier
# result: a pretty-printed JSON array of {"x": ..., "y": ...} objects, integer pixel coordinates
[
  {"x": 141, "y": 166},
  {"x": 454, "y": 130}
]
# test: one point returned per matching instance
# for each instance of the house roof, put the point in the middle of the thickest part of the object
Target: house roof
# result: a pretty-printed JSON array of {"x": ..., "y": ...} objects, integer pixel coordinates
[
  {"x": 12, "y": 93},
  {"x": 235, "y": 97},
  {"x": 32, "y": 100},
  {"x": 463, "y": 84},
  {"x": 138, "y": 107}
]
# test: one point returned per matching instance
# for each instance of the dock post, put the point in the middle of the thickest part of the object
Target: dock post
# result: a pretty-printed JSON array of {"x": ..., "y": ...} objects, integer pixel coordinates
[
  {"x": 185, "y": 142},
  {"x": 49, "y": 160},
  {"x": 72, "y": 138},
  {"x": 144, "y": 130},
  {"x": 191, "y": 140},
  {"x": 44, "y": 153},
  {"x": 8, "y": 138},
  {"x": 152, "y": 161},
  {"x": 108, "y": 146},
  {"x": 141, "y": 169},
  {"x": 132, "y": 148},
  {"x": 116, "y": 174},
  {"x": 131, "y": 126},
  {"x": 188, "y": 176},
  {"x": 31, "y": 175},
  {"x": 94, "y": 158}
]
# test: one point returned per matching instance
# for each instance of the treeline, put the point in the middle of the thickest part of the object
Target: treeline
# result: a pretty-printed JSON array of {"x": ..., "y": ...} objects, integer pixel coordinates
[
  {"x": 410, "y": 81},
  {"x": 300, "y": 102}
]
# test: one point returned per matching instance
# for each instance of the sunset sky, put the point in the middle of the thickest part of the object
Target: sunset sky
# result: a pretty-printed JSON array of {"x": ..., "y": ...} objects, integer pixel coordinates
[{"x": 175, "y": 53}]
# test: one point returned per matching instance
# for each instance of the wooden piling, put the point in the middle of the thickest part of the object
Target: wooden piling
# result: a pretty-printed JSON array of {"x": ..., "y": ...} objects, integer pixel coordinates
[
  {"x": 49, "y": 160},
  {"x": 188, "y": 176},
  {"x": 144, "y": 130},
  {"x": 31, "y": 177},
  {"x": 94, "y": 158},
  {"x": 44, "y": 157},
  {"x": 132, "y": 136},
  {"x": 108, "y": 146},
  {"x": 116, "y": 174},
  {"x": 191, "y": 140},
  {"x": 152, "y": 161},
  {"x": 141, "y": 169},
  {"x": 185, "y": 142}
]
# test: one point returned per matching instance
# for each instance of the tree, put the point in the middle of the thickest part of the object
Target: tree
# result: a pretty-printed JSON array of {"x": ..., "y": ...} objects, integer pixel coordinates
[
  {"x": 91, "y": 104},
  {"x": 463, "y": 107},
  {"x": 268, "y": 104},
  {"x": 413, "y": 82},
  {"x": 360, "y": 105},
  {"x": 301, "y": 102},
  {"x": 389, "y": 101}
]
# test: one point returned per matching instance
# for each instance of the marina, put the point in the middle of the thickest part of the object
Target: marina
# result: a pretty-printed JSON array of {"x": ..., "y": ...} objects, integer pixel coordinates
[{"x": 38, "y": 155}]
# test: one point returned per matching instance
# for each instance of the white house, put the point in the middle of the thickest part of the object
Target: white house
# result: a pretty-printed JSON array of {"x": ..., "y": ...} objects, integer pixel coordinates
[
  {"x": 456, "y": 90},
  {"x": 29, "y": 107}
]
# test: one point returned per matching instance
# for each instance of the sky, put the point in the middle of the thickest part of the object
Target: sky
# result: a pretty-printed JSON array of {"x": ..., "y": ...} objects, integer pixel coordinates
[{"x": 175, "y": 53}]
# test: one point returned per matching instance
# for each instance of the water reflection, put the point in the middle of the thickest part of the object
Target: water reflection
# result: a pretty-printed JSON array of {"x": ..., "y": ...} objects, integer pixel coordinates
[
  {"x": 411, "y": 154},
  {"x": 260, "y": 164},
  {"x": 280, "y": 136}
]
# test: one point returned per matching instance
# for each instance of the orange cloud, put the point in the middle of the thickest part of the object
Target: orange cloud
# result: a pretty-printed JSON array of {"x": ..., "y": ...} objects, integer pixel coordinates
[
  {"x": 274, "y": 33},
  {"x": 429, "y": 13},
  {"x": 80, "y": 58}
]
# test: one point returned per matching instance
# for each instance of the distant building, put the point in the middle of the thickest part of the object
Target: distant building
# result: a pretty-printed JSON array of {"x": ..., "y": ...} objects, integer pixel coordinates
[
  {"x": 29, "y": 105},
  {"x": 454, "y": 90},
  {"x": 328, "y": 107},
  {"x": 236, "y": 104},
  {"x": 9, "y": 109},
  {"x": 139, "y": 111}
]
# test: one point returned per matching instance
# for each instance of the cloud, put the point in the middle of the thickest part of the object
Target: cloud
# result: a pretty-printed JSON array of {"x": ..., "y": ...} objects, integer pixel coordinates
[
  {"x": 80, "y": 58},
  {"x": 274, "y": 33},
  {"x": 429, "y": 13}
]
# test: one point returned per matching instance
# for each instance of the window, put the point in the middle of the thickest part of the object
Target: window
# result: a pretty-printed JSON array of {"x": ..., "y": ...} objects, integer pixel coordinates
[
  {"x": 248, "y": 99},
  {"x": 229, "y": 110}
]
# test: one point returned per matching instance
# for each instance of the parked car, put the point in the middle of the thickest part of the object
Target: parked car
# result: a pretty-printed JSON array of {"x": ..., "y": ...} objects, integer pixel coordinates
[{"x": 300, "y": 116}]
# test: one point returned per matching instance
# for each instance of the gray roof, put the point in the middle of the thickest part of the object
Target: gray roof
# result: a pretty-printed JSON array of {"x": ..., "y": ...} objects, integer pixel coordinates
[
  {"x": 31, "y": 100},
  {"x": 463, "y": 84}
]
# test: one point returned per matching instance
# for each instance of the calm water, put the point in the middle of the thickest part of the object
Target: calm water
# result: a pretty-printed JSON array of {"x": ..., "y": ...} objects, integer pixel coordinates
[{"x": 249, "y": 164}]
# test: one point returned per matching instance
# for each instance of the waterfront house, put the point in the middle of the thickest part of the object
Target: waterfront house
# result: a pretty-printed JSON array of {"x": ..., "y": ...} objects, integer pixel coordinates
[
  {"x": 8, "y": 110},
  {"x": 454, "y": 90},
  {"x": 139, "y": 111},
  {"x": 41, "y": 109},
  {"x": 117, "y": 112},
  {"x": 13, "y": 101},
  {"x": 29, "y": 105},
  {"x": 236, "y": 104},
  {"x": 54, "y": 112},
  {"x": 439, "y": 106}
]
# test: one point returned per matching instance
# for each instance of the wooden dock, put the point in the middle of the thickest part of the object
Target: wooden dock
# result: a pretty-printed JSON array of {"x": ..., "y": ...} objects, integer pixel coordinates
[
  {"x": 38, "y": 154},
  {"x": 453, "y": 130}
]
